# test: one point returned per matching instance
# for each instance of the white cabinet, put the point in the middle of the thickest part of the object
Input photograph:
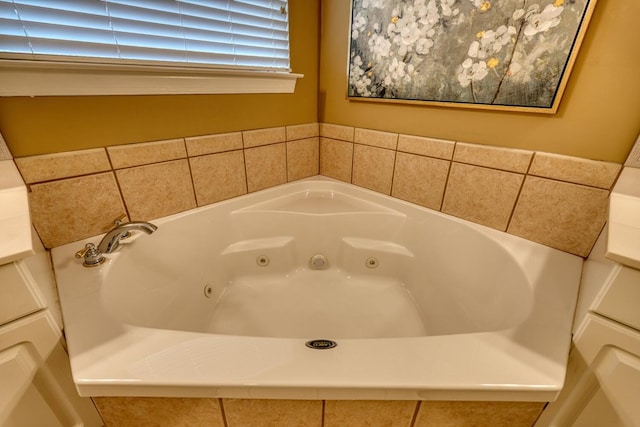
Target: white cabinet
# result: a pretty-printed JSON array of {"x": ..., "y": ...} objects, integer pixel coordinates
[
  {"x": 36, "y": 385},
  {"x": 602, "y": 388}
]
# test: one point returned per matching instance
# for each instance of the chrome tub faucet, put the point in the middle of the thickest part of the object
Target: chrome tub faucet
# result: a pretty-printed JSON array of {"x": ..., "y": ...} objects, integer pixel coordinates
[{"x": 92, "y": 255}]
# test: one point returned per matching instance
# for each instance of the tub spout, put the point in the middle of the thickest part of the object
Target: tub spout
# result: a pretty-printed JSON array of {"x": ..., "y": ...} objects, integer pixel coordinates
[{"x": 111, "y": 240}]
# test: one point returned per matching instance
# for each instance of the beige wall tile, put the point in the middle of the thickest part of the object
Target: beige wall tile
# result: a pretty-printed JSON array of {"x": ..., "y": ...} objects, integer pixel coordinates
[
  {"x": 508, "y": 159},
  {"x": 157, "y": 190},
  {"x": 481, "y": 195},
  {"x": 373, "y": 168},
  {"x": 420, "y": 179},
  {"x": 480, "y": 414},
  {"x": 431, "y": 147},
  {"x": 272, "y": 413},
  {"x": 343, "y": 133},
  {"x": 307, "y": 130},
  {"x": 266, "y": 166},
  {"x": 124, "y": 156},
  {"x": 576, "y": 170},
  {"x": 336, "y": 159},
  {"x": 159, "y": 411},
  {"x": 367, "y": 413},
  {"x": 258, "y": 137},
  {"x": 68, "y": 164},
  {"x": 303, "y": 158},
  {"x": 72, "y": 209},
  {"x": 376, "y": 138},
  {"x": 210, "y": 144},
  {"x": 218, "y": 176},
  {"x": 565, "y": 216}
]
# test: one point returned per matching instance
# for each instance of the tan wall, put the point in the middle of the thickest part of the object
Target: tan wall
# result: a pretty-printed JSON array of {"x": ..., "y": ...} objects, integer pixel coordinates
[
  {"x": 598, "y": 118},
  {"x": 54, "y": 124}
]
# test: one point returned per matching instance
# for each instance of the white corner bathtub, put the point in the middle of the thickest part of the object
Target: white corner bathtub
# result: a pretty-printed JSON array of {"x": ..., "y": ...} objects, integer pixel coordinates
[{"x": 221, "y": 300}]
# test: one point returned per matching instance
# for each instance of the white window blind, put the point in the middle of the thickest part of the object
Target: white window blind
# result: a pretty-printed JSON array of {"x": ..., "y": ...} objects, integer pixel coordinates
[{"x": 236, "y": 34}]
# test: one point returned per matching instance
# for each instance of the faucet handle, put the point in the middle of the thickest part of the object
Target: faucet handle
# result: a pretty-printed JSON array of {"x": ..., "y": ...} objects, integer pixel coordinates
[
  {"x": 91, "y": 255},
  {"x": 118, "y": 222},
  {"x": 122, "y": 218}
]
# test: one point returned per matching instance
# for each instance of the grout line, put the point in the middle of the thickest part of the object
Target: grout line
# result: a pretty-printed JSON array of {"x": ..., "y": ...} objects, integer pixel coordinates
[
  {"x": 223, "y": 413},
  {"x": 393, "y": 171},
  {"x": 353, "y": 160},
  {"x": 415, "y": 414},
  {"x": 286, "y": 161},
  {"x": 115, "y": 178},
  {"x": 446, "y": 181},
  {"x": 322, "y": 418},
  {"x": 515, "y": 203}
]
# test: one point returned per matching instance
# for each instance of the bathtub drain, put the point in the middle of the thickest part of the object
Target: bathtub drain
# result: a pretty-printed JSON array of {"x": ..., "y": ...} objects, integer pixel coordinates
[{"x": 321, "y": 344}]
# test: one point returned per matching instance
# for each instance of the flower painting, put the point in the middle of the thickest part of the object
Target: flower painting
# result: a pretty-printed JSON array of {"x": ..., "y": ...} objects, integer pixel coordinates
[{"x": 502, "y": 54}]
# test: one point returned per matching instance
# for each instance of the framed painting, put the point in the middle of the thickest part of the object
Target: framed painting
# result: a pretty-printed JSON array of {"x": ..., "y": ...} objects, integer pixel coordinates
[{"x": 511, "y": 55}]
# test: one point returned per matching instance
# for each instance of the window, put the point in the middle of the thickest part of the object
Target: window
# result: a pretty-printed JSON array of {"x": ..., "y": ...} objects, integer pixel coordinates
[{"x": 144, "y": 46}]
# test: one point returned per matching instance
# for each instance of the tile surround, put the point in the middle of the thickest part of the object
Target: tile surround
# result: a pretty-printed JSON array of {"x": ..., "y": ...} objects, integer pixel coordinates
[
  {"x": 559, "y": 214},
  {"x": 266, "y": 166},
  {"x": 555, "y": 200},
  {"x": 303, "y": 158},
  {"x": 376, "y": 138},
  {"x": 481, "y": 195},
  {"x": 507, "y": 159},
  {"x": 269, "y": 413},
  {"x": 71, "y": 209},
  {"x": 336, "y": 159},
  {"x": 431, "y": 147},
  {"x": 343, "y": 133},
  {"x": 304, "y": 131},
  {"x": 575, "y": 170},
  {"x": 211, "y": 144},
  {"x": 157, "y": 190},
  {"x": 373, "y": 168},
  {"x": 494, "y": 414},
  {"x": 125, "y": 156},
  {"x": 483, "y": 183},
  {"x": 48, "y": 167},
  {"x": 218, "y": 176},
  {"x": 258, "y": 137},
  {"x": 161, "y": 411},
  {"x": 366, "y": 413},
  {"x": 420, "y": 179},
  {"x": 154, "y": 179}
]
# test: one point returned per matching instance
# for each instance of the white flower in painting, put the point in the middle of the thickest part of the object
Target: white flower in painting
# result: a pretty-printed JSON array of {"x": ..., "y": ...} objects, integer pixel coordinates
[
  {"x": 380, "y": 47},
  {"x": 447, "y": 9},
  {"x": 517, "y": 14},
  {"x": 543, "y": 21},
  {"x": 358, "y": 77},
  {"x": 471, "y": 71},
  {"x": 359, "y": 22},
  {"x": 423, "y": 46},
  {"x": 379, "y": 4},
  {"x": 514, "y": 67}
]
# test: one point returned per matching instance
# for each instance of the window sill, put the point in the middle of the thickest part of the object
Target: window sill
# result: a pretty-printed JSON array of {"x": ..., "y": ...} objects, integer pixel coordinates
[{"x": 38, "y": 78}]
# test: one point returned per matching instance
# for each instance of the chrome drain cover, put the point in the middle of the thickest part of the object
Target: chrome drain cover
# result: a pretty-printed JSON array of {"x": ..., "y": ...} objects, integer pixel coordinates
[{"x": 321, "y": 344}]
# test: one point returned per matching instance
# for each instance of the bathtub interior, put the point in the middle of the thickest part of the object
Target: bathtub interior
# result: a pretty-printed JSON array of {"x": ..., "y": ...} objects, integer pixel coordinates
[{"x": 244, "y": 271}]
